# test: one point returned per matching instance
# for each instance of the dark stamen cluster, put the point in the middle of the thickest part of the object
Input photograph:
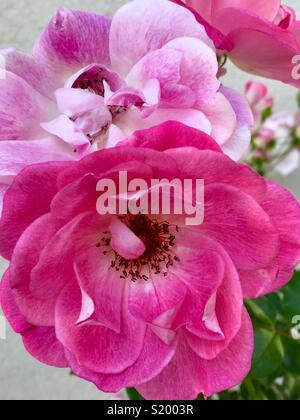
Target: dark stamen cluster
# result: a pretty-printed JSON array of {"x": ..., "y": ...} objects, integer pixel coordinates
[
  {"x": 159, "y": 239},
  {"x": 92, "y": 82},
  {"x": 116, "y": 110}
]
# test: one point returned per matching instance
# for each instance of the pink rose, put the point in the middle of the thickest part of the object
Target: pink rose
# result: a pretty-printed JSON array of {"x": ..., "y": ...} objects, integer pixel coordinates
[
  {"x": 264, "y": 34},
  {"x": 91, "y": 82},
  {"x": 259, "y": 101},
  {"x": 145, "y": 301},
  {"x": 273, "y": 127}
]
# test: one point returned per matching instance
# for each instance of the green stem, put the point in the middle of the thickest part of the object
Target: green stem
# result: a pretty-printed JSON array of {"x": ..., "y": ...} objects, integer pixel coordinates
[{"x": 133, "y": 394}]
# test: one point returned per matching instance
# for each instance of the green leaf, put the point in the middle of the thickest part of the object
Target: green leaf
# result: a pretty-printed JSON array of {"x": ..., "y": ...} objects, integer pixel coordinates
[
  {"x": 291, "y": 298},
  {"x": 291, "y": 359},
  {"x": 298, "y": 99},
  {"x": 133, "y": 394},
  {"x": 266, "y": 113},
  {"x": 268, "y": 354},
  {"x": 262, "y": 310}
]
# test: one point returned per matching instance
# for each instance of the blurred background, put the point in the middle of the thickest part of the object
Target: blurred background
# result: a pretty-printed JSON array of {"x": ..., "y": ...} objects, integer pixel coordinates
[{"x": 21, "y": 377}]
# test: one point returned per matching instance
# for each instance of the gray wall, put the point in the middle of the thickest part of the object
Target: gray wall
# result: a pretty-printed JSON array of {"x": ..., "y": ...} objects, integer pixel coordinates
[{"x": 21, "y": 377}]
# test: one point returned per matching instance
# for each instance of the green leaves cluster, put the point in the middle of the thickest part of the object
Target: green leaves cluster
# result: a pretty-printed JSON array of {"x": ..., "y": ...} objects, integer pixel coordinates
[{"x": 275, "y": 373}]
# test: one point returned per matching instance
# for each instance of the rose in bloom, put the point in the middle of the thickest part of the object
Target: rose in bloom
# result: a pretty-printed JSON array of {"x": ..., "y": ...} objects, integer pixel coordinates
[
  {"x": 264, "y": 34},
  {"x": 91, "y": 82},
  {"x": 145, "y": 301}
]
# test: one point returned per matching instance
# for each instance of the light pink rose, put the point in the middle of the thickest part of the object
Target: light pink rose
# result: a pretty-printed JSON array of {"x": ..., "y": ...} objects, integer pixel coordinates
[
  {"x": 91, "y": 82},
  {"x": 264, "y": 34},
  {"x": 259, "y": 101},
  {"x": 277, "y": 127},
  {"x": 171, "y": 320}
]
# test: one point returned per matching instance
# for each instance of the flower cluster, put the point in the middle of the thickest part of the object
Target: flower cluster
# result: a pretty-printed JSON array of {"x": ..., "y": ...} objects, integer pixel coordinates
[
  {"x": 276, "y": 135},
  {"x": 142, "y": 300}
]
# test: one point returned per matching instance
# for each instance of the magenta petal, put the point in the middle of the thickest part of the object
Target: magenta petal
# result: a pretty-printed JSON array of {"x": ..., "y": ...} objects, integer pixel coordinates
[
  {"x": 43, "y": 345},
  {"x": 221, "y": 42},
  {"x": 39, "y": 312},
  {"x": 72, "y": 40},
  {"x": 155, "y": 355},
  {"x": 97, "y": 348},
  {"x": 56, "y": 259},
  {"x": 30, "y": 195},
  {"x": 212, "y": 166},
  {"x": 200, "y": 376},
  {"x": 273, "y": 59},
  {"x": 231, "y": 367},
  {"x": 10, "y": 308},
  {"x": 150, "y": 299},
  {"x": 285, "y": 219},
  {"x": 241, "y": 226},
  {"x": 224, "y": 319},
  {"x": 4, "y": 185},
  {"x": 171, "y": 135},
  {"x": 103, "y": 285}
]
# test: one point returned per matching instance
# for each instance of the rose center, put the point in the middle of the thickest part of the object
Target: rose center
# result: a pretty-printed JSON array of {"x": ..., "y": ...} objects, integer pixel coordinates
[{"x": 160, "y": 242}]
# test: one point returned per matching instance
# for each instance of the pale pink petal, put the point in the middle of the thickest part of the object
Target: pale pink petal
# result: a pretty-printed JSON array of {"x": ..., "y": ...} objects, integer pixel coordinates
[
  {"x": 130, "y": 40},
  {"x": 186, "y": 69},
  {"x": 289, "y": 164},
  {"x": 74, "y": 102},
  {"x": 16, "y": 155},
  {"x": 133, "y": 120},
  {"x": 68, "y": 131},
  {"x": 30, "y": 70},
  {"x": 222, "y": 117},
  {"x": 239, "y": 142},
  {"x": 125, "y": 242},
  {"x": 255, "y": 92},
  {"x": 22, "y": 109}
]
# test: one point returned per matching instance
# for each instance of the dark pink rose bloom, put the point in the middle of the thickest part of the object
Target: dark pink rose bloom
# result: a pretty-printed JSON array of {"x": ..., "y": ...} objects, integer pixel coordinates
[
  {"x": 264, "y": 34},
  {"x": 145, "y": 301}
]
